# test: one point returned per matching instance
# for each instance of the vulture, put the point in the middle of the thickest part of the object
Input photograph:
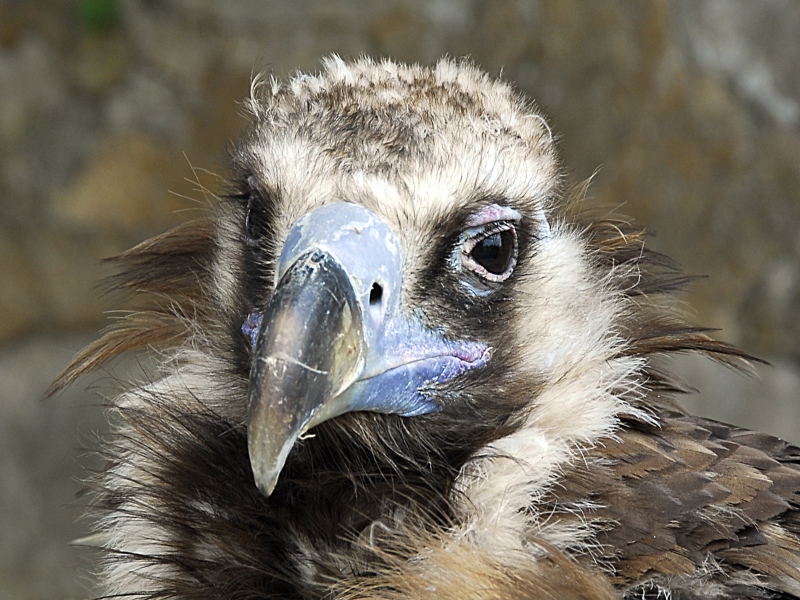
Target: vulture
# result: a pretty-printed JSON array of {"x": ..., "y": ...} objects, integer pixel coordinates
[{"x": 399, "y": 359}]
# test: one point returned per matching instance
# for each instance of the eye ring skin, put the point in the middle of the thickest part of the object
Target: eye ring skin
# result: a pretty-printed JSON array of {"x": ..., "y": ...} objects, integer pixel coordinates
[
  {"x": 484, "y": 232},
  {"x": 491, "y": 219}
]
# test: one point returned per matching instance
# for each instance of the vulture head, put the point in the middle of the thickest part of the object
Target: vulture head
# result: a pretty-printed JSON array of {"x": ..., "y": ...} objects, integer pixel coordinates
[{"x": 399, "y": 362}]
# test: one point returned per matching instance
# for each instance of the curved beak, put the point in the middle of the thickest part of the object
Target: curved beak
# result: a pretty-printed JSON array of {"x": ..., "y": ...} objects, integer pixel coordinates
[
  {"x": 334, "y": 339},
  {"x": 308, "y": 350}
]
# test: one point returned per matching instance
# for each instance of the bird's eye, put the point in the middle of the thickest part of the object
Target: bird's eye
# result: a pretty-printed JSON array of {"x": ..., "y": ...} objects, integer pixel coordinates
[
  {"x": 253, "y": 225},
  {"x": 257, "y": 216},
  {"x": 492, "y": 251},
  {"x": 495, "y": 252}
]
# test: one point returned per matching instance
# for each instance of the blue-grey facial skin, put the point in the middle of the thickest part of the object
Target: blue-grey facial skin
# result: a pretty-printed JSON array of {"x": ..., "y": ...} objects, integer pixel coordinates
[
  {"x": 402, "y": 357},
  {"x": 365, "y": 247},
  {"x": 400, "y": 388},
  {"x": 335, "y": 321}
]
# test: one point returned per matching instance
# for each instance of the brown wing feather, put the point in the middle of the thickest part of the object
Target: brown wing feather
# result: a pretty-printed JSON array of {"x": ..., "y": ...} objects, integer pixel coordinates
[
  {"x": 696, "y": 499},
  {"x": 169, "y": 274}
]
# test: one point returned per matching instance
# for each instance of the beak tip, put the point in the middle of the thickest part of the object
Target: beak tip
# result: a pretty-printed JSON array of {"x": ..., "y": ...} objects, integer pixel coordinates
[
  {"x": 264, "y": 475},
  {"x": 267, "y": 459},
  {"x": 266, "y": 485}
]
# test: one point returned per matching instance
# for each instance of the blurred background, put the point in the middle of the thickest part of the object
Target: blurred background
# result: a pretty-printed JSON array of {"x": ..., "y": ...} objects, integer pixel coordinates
[{"x": 114, "y": 113}]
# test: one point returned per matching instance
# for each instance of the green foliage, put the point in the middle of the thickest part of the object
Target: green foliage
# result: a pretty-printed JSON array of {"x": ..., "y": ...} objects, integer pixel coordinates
[{"x": 98, "y": 15}]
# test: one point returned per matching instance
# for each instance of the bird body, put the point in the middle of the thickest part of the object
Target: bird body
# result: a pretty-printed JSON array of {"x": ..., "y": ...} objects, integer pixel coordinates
[{"x": 398, "y": 361}]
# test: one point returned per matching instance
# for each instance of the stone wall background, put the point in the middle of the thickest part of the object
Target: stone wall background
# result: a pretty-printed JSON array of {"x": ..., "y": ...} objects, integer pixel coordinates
[{"x": 114, "y": 115}]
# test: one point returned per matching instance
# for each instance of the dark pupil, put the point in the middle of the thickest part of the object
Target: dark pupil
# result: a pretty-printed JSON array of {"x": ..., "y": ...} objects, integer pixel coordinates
[{"x": 494, "y": 252}]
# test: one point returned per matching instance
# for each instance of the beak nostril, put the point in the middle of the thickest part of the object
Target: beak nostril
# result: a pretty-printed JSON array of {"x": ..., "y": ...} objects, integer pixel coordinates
[{"x": 375, "y": 294}]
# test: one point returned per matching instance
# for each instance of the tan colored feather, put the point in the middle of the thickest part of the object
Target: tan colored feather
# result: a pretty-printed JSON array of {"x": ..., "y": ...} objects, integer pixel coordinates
[{"x": 460, "y": 571}]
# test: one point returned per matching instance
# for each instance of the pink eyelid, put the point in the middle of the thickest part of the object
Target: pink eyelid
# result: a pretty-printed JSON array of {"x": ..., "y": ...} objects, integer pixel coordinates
[{"x": 492, "y": 213}]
